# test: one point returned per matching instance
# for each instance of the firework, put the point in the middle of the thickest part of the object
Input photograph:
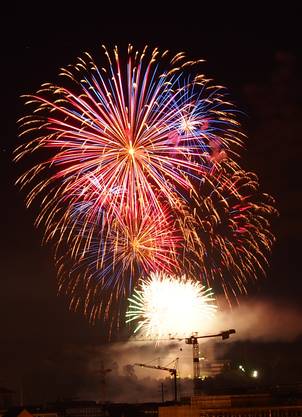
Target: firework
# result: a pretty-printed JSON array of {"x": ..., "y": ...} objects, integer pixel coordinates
[
  {"x": 170, "y": 306},
  {"x": 112, "y": 257},
  {"x": 123, "y": 136},
  {"x": 138, "y": 173},
  {"x": 229, "y": 238}
]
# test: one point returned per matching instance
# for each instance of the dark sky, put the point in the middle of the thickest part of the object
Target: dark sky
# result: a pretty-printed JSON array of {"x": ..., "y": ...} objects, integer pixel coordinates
[{"x": 255, "y": 53}]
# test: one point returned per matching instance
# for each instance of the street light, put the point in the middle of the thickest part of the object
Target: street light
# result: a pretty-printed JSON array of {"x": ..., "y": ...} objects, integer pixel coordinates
[{"x": 255, "y": 373}]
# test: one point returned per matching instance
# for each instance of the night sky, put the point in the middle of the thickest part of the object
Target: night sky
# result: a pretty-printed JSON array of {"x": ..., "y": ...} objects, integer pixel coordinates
[{"x": 256, "y": 54}]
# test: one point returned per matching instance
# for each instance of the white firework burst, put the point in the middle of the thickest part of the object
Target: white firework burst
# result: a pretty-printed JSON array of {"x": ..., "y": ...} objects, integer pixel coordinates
[{"x": 166, "y": 306}]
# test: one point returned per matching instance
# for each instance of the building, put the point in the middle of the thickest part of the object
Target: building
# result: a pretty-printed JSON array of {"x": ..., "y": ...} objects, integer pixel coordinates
[
  {"x": 29, "y": 412},
  {"x": 258, "y": 405},
  {"x": 93, "y": 409}
]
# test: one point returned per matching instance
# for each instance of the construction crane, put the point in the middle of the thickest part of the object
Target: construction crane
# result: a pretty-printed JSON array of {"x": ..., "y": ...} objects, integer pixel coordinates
[
  {"x": 102, "y": 371},
  {"x": 193, "y": 340},
  {"x": 172, "y": 371}
]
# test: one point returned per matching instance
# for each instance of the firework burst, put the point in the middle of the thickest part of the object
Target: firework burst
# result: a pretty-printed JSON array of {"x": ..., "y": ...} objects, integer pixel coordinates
[
  {"x": 170, "y": 306},
  {"x": 229, "y": 238},
  {"x": 138, "y": 173},
  {"x": 111, "y": 258},
  {"x": 122, "y": 136}
]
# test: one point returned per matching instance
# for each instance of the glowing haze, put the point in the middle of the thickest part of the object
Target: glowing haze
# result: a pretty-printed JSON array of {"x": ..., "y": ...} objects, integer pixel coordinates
[{"x": 169, "y": 306}]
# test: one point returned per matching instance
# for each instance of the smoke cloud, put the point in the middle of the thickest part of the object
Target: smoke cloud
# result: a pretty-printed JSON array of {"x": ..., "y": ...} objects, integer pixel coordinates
[
  {"x": 258, "y": 322},
  {"x": 261, "y": 321},
  {"x": 108, "y": 372}
]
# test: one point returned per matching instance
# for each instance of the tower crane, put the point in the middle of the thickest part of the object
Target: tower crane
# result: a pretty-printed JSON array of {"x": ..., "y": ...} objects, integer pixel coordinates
[
  {"x": 102, "y": 371},
  {"x": 173, "y": 372},
  {"x": 193, "y": 340}
]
